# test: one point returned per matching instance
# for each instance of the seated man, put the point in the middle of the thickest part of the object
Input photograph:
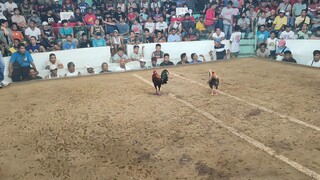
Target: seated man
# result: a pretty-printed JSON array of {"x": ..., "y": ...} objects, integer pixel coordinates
[
  {"x": 120, "y": 55},
  {"x": 49, "y": 40},
  {"x": 105, "y": 68},
  {"x": 174, "y": 37},
  {"x": 316, "y": 59},
  {"x": 288, "y": 57},
  {"x": 20, "y": 64},
  {"x": 287, "y": 34},
  {"x": 33, "y": 74},
  {"x": 69, "y": 44},
  {"x": 195, "y": 60},
  {"x": 142, "y": 64},
  {"x": 53, "y": 61},
  {"x": 183, "y": 59},
  {"x": 90, "y": 70},
  {"x": 154, "y": 62},
  {"x": 122, "y": 65},
  {"x": 158, "y": 54},
  {"x": 85, "y": 42},
  {"x": 98, "y": 41},
  {"x": 33, "y": 47},
  {"x": 53, "y": 72},
  {"x": 135, "y": 55},
  {"x": 281, "y": 49},
  {"x": 72, "y": 70},
  {"x": 166, "y": 61},
  {"x": 263, "y": 52}
]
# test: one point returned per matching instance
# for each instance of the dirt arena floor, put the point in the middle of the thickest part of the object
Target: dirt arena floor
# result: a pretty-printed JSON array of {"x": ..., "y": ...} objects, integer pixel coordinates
[{"x": 112, "y": 126}]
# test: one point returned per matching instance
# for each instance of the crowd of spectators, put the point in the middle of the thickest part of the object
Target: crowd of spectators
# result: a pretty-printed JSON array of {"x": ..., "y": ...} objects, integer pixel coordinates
[{"x": 115, "y": 23}]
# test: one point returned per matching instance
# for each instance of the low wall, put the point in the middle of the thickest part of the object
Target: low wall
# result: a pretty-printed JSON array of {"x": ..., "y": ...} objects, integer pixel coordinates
[{"x": 301, "y": 49}]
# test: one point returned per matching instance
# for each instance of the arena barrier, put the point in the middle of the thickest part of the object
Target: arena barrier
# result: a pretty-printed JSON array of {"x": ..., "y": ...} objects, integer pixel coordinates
[{"x": 301, "y": 50}]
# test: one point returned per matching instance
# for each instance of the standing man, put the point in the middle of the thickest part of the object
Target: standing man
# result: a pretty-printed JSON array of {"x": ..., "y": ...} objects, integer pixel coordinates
[
  {"x": 227, "y": 16},
  {"x": 2, "y": 66},
  {"x": 19, "y": 65}
]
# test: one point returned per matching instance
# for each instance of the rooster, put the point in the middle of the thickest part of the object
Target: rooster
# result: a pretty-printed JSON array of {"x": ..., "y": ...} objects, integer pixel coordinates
[
  {"x": 159, "y": 80},
  {"x": 213, "y": 82}
]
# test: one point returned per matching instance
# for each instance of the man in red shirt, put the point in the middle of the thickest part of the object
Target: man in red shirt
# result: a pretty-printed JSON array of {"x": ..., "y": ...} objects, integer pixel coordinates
[
  {"x": 89, "y": 18},
  {"x": 211, "y": 17}
]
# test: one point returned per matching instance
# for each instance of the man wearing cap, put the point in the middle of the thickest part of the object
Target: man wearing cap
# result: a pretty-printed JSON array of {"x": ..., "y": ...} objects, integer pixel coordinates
[
  {"x": 280, "y": 21},
  {"x": 142, "y": 62},
  {"x": 49, "y": 40},
  {"x": 53, "y": 72},
  {"x": 90, "y": 70},
  {"x": 135, "y": 55},
  {"x": 281, "y": 49},
  {"x": 220, "y": 49}
]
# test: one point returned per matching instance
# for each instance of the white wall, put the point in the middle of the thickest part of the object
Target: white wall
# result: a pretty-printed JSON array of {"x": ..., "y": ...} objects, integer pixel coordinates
[{"x": 302, "y": 50}]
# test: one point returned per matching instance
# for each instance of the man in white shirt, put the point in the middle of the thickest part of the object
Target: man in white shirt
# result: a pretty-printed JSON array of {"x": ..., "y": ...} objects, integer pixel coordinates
[
  {"x": 32, "y": 30},
  {"x": 150, "y": 25},
  {"x": 287, "y": 34},
  {"x": 162, "y": 26},
  {"x": 2, "y": 9},
  {"x": 10, "y": 5},
  {"x": 235, "y": 42}
]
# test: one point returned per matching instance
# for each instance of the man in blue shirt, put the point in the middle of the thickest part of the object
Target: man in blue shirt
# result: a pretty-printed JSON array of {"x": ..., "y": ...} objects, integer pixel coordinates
[
  {"x": 69, "y": 43},
  {"x": 33, "y": 47},
  {"x": 195, "y": 60},
  {"x": 262, "y": 35},
  {"x": 99, "y": 41},
  {"x": 20, "y": 64}
]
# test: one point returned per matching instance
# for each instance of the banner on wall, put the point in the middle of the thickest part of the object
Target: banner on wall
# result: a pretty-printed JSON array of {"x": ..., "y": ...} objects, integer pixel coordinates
[
  {"x": 66, "y": 15},
  {"x": 181, "y": 11}
]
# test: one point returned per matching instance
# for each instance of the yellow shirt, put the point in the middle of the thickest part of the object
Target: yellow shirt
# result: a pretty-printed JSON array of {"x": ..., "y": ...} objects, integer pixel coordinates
[
  {"x": 280, "y": 22},
  {"x": 200, "y": 26}
]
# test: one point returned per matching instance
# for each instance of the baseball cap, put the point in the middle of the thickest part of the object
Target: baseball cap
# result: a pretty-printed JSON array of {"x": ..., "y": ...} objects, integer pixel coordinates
[
  {"x": 44, "y": 23},
  {"x": 142, "y": 60},
  {"x": 53, "y": 67},
  {"x": 282, "y": 11},
  {"x": 115, "y": 31},
  {"x": 88, "y": 66}
]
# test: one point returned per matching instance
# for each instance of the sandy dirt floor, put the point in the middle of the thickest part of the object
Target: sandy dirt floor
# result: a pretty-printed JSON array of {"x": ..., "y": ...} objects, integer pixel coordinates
[{"x": 112, "y": 126}]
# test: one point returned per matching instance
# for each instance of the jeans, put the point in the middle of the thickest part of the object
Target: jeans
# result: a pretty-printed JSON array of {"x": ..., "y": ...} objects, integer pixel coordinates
[
  {"x": 227, "y": 29},
  {"x": 2, "y": 66}
]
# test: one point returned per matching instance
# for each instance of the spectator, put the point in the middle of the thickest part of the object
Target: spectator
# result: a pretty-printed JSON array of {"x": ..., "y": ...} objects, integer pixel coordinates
[
  {"x": 288, "y": 57},
  {"x": 217, "y": 34},
  {"x": 89, "y": 18},
  {"x": 211, "y": 17},
  {"x": 105, "y": 68},
  {"x": 262, "y": 35},
  {"x": 244, "y": 24},
  {"x": 83, "y": 6},
  {"x": 19, "y": 64},
  {"x": 133, "y": 5},
  {"x": 195, "y": 59},
  {"x": 154, "y": 62},
  {"x": 78, "y": 30},
  {"x": 301, "y": 20},
  {"x": 90, "y": 70},
  {"x": 159, "y": 38},
  {"x": 20, "y": 20},
  {"x": 135, "y": 55},
  {"x": 35, "y": 18},
  {"x": 227, "y": 14},
  {"x": 201, "y": 27},
  {"x": 53, "y": 72},
  {"x": 280, "y": 21},
  {"x": 131, "y": 16},
  {"x": 2, "y": 10},
  {"x": 10, "y": 6},
  {"x": 167, "y": 4},
  {"x": 174, "y": 37},
  {"x": 69, "y": 43},
  {"x": 122, "y": 65},
  {"x": 281, "y": 49},
  {"x": 157, "y": 14},
  {"x": 313, "y": 8},
  {"x": 110, "y": 25},
  {"x": 96, "y": 29},
  {"x": 85, "y": 42},
  {"x": 78, "y": 16},
  {"x": 252, "y": 15},
  {"x": 119, "y": 14},
  {"x": 315, "y": 22},
  {"x": 187, "y": 23},
  {"x": 298, "y": 7},
  {"x": 53, "y": 61},
  {"x": 220, "y": 49},
  {"x": 133, "y": 38},
  {"x": 147, "y": 38},
  {"x": 56, "y": 8},
  {"x": 155, "y": 4},
  {"x": 33, "y": 74},
  {"x": 123, "y": 27},
  {"x": 287, "y": 34},
  {"x": 316, "y": 59},
  {"x": 270, "y": 20},
  {"x": 285, "y": 6},
  {"x": 32, "y": 30},
  {"x": 235, "y": 42},
  {"x": 121, "y": 5},
  {"x": 162, "y": 25},
  {"x": 263, "y": 52},
  {"x": 142, "y": 63},
  {"x": 316, "y": 34},
  {"x": 120, "y": 55},
  {"x": 176, "y": 24},
  {"x": 16, "y": 34},
  {"x": 158, "y": 54},
  {"x": 183, "y": 59},
  {"x": 304, "y": 33},
  {"x": 34, "y": 47},
  {"x": 3, "y": 83},
  {"x": 136, "y": 27},
  {"x": 68, "y": 6},
  {"x": 166, "y": 61},
  {"x": 5, "y": 32},
  {"x": 191, "y": 35},
  {"x": 14, "y": 48},
  {"x": 65, "y": 30},
  {"x": 99, "y": 41},
  {"x": 72, "y": 70},
  {"x": 116, "y": 42},
  {"x": 262, "y": 19},
  {"x": 49, "y": 41},
  {"x": 150, "y": 25},
  {"x": 49, "y": 17},
  {"x": 271, "y": 44}
]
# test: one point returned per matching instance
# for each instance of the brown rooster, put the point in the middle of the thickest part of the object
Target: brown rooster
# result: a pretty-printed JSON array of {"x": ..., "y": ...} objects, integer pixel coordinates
[
  {"x": 159, "y": 80},
  {"x": 213, "y": 82}
]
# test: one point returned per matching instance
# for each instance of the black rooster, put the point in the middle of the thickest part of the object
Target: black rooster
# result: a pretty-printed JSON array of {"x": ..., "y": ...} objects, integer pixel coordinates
[
  {"x": 213, "y": 81},
  {"x": 159, "y": 80}
]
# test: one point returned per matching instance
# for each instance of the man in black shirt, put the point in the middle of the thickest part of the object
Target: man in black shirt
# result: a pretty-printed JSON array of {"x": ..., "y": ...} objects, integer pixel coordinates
[
  {"x": 166, "y": 61},
  {"x": 184, "y": 59},
  {"x": 85, "y": 42},
  {"x": 117, "y": 15},
  {"x": 288, "y": 57}
]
